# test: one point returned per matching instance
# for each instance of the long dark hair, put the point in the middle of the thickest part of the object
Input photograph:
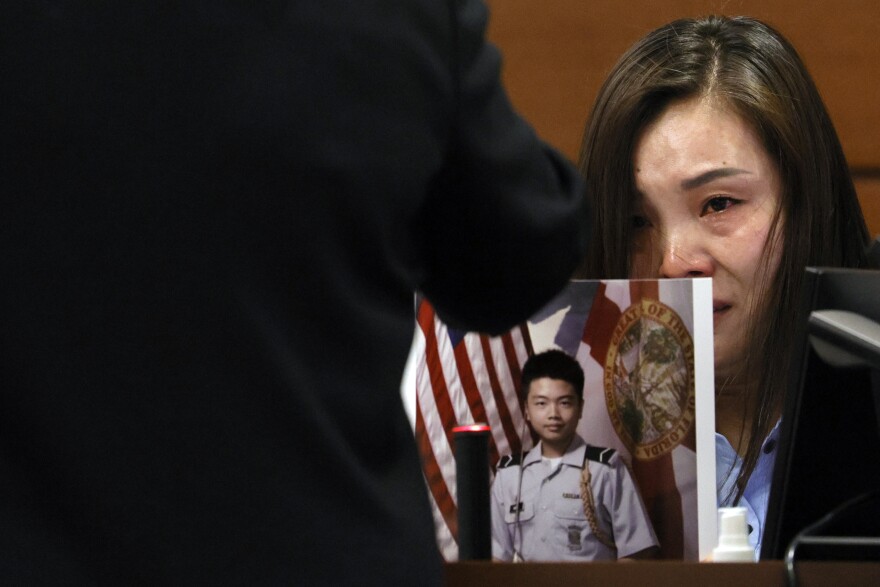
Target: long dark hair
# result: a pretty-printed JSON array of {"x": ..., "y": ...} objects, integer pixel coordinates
[{"x": 754, "y": 71}]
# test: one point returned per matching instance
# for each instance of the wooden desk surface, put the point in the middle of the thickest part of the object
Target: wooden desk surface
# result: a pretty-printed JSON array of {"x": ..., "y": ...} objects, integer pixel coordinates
[{"x": 660, "y": 573}]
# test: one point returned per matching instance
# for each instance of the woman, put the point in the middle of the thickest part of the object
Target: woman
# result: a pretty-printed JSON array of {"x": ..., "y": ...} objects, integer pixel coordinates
[{"x": 710, "y": 153}]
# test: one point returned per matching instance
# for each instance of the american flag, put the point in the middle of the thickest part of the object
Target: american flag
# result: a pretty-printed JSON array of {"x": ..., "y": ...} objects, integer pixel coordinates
[{"x": 464, "y": 378}]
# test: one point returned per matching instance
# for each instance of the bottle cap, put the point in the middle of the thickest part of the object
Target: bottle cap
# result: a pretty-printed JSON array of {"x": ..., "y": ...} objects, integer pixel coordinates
[{"x": 733, "y": 538}]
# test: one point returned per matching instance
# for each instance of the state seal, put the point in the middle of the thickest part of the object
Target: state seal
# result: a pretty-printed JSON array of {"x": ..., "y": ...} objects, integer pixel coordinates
[{"x": 649, "y": 379}]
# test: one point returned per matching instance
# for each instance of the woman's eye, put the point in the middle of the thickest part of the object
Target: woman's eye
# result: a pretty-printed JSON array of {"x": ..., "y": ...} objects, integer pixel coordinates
[
  {"x": 719, "y": 204},
  {"x": 640, "y": 222}
]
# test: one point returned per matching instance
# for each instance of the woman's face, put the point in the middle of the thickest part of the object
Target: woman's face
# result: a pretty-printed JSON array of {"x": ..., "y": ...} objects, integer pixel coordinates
[{"x": 707, "y": 193}]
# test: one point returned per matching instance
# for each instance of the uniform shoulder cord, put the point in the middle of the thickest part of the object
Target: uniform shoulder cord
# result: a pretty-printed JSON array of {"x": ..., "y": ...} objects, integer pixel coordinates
[{"x": 590, "y": 508}]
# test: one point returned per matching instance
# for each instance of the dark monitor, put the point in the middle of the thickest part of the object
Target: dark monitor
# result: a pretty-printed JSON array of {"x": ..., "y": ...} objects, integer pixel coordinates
[{"x": 827, "y": 473}]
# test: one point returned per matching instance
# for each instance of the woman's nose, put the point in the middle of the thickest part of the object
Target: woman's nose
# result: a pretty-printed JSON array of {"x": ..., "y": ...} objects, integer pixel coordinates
[{"x": 682, "y": 256}]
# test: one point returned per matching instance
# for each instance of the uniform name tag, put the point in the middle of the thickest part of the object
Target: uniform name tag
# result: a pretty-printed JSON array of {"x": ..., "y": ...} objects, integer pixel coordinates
[
  {"x": 571, "y": 495},
  {"x": 513, "y": 508},
  {"x": 574, "y": 538}
]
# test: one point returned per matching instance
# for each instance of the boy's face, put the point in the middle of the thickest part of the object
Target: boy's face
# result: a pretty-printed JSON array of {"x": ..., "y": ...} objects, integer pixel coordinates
[{"x": 553, "y": 409}]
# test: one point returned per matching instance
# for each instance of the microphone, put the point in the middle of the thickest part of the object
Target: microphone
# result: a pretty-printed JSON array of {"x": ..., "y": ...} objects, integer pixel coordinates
[{"x": 472, "y": 488}]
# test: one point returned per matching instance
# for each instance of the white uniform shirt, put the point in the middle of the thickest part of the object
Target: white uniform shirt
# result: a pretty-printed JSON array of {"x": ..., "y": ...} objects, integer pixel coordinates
[{"x": 552, "y": 525}]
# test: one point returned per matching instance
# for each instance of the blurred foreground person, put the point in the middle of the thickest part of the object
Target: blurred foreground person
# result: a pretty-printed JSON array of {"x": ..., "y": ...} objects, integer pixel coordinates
[{"x": 215, "y": 217}]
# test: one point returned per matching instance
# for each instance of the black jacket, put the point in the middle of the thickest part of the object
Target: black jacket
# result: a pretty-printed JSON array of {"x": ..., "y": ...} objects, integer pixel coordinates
[{"x": 214, "y": 218}]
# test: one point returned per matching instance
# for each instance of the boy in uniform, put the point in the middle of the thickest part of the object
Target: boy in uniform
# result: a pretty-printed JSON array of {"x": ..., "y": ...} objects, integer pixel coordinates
[{"x": 565, "y": 500}]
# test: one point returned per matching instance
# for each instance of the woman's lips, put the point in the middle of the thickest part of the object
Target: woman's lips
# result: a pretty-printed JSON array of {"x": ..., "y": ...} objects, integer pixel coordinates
[
  {"x": 719, "y": 307},
  {"x": 719, "y": 311}
]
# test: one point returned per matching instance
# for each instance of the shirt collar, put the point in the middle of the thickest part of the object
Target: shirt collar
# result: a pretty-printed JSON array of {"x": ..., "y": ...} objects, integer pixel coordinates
[{"x": 573, "y": 456}]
